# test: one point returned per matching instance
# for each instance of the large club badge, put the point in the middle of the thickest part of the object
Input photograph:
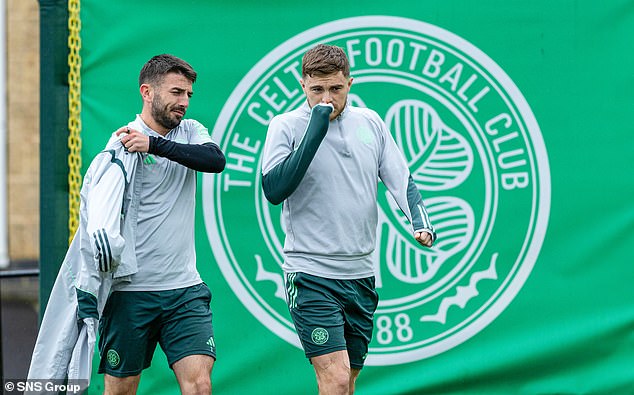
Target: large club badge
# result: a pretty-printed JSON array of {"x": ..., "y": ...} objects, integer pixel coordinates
[{"x": 474, "y": 150}]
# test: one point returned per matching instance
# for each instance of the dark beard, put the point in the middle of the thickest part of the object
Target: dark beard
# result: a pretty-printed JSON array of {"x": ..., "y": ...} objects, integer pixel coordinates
[{"x": 162, "y": 115}]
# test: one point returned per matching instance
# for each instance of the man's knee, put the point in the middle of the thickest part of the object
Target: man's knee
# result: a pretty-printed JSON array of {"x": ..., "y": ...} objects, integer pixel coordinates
[
  {"x": 336, "y": 382},
  {"x": 333, "y": 372},
  {"x": 194, "y": 374},
  {"x": 199, "y": 385},
  {"x": 120, "y": 385}
]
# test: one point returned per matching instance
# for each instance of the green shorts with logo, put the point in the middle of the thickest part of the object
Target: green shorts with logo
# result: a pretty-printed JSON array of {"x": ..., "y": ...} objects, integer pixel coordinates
[
  {"x": 332, "y": 315},
  {"x": 133, "y": 322}
]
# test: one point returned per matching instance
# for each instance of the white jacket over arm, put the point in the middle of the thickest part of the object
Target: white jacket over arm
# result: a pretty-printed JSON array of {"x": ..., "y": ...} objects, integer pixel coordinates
[{"x": 96, "y": 257}]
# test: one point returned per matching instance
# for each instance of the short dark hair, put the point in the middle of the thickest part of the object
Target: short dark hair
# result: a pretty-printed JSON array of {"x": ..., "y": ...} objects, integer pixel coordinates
[
  {"x": 156, "y": 68},
  {"x": 325, "y": 59}
]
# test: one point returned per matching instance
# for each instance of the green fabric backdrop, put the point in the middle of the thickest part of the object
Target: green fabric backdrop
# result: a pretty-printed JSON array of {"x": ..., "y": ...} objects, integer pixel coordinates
[{"x": 535, "y": 278}]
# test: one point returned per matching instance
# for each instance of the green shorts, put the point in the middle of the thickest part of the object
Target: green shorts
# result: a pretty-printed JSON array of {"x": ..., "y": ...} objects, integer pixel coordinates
[
  {"x": 332, "y": 315},
  {"x": 133, "y": 322}
]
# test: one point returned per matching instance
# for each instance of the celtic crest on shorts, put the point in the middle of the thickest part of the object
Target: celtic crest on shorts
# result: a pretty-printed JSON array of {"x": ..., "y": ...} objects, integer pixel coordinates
[
  {"x": 112, "y": 356},
  {"x": 474, "y": 150}
]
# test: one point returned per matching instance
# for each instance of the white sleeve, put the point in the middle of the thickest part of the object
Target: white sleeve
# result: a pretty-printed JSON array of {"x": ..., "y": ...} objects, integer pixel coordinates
[
  {"x": 198, "y": 133},
  {"x": 395, "y": 174},
  {"x": 104, "y": 204},
  {"x": 278, "y": 144}
]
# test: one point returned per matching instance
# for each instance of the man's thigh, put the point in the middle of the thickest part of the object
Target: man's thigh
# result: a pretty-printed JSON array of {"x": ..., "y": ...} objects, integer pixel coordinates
[
  {"x": 187, "y": 328},
  {"x": 128, "y": 333},
  {"x": 359, "y": 319},
  {"x": 332, "y": 315},
  {"x": 193, "y": 368},
  {"x": 317, "y": 315},
  {"x": 121, "y": 385}
]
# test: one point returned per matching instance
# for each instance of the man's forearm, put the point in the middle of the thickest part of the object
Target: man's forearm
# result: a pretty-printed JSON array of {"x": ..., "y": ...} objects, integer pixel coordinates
[
  {"x": 283, "y": 179},
  {"x": 420, "y": 217},
  {"x": 206, "y": 157}
]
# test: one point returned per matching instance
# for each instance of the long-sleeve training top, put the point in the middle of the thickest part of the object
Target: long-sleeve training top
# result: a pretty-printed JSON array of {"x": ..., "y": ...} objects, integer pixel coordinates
[{"x": 327, "y": 173}]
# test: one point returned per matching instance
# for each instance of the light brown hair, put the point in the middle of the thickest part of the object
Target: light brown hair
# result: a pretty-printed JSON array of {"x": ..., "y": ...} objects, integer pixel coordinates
[{"x": 323, "y": 60}]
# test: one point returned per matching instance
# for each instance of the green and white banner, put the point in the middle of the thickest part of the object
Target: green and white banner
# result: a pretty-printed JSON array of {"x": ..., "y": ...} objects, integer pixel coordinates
[{"x": 514, "y": 120}]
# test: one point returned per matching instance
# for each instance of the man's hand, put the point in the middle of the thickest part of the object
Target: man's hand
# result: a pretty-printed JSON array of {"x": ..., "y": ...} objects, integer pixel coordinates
[
  {"x": 424, "y": 238},
  {"x": 133, "y": 140}
]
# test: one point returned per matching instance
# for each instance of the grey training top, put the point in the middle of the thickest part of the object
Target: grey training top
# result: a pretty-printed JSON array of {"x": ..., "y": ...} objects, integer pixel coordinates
[
  {"x": 330, "y": 217},
  {"x": 165, "y": 246}
]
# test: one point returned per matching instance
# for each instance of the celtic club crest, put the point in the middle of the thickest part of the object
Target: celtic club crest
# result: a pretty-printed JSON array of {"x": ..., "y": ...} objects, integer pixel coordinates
[{"x": 474, "y": 150}]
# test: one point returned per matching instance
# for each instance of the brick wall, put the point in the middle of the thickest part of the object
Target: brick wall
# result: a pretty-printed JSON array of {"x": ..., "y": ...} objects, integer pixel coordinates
[{"x": 23, "y": 134}]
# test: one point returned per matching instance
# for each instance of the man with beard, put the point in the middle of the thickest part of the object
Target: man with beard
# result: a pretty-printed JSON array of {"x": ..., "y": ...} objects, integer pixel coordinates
[{"x": 165, "y": 301}]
